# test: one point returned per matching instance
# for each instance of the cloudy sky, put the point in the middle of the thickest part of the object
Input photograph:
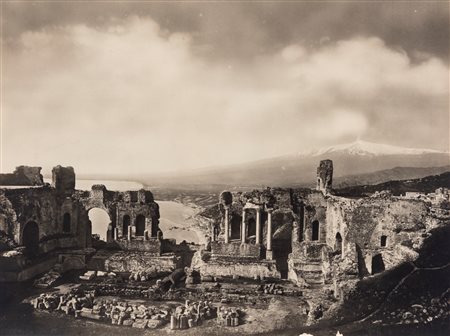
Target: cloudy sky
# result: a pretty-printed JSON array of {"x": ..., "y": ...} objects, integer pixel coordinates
[{"x": 121, "y": 87}]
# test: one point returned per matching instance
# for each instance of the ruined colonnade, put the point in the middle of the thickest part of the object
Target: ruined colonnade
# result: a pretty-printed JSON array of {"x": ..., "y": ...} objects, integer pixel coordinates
[{"x": 257, "y": 208}]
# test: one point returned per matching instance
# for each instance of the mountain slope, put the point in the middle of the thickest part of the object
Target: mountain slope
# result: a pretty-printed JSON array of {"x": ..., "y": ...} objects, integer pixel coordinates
[{"x": 300, "y": 169}]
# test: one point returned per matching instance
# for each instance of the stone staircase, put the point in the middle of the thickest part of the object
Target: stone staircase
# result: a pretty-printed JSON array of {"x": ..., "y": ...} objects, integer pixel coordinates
[{"x": 310, "y": 271}]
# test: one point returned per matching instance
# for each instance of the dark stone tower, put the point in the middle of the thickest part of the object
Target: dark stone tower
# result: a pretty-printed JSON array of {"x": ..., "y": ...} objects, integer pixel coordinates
[
  {"x": 325, "y": 176},
  {"x": 63, "y": 179}
]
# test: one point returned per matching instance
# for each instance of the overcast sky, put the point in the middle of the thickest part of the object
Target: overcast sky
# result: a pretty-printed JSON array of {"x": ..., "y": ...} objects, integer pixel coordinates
[{"x": 149, "y": 87}]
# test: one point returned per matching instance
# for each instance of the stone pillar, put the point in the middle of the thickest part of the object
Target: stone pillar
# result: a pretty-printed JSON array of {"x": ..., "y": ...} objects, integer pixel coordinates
[
  {"x": 269, "y": 254},
  {"x": 243, "y": 228},
  {"x": 258, "y": 227},
  {"x": 129, "y": 233},
  {"x": 227, "y": 227},
  {"x": 110, "y": 234},
  {"x": 116, "y": 232}
]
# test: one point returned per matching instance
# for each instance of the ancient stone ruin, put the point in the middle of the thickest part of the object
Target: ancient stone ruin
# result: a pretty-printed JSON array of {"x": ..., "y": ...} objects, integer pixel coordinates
[{"x": 309, "y": 237}]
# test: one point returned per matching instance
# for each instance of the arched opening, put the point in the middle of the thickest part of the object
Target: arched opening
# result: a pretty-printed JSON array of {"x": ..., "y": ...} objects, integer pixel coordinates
[
  {"x": 66, "y": 222},
  {"x": 377, "y": 264},
  {"x": 99, "y": 223},
  {"x": 125, "y": 225},
  {"x": 383, "y": 241},
  {"x": 315, "y": 230},
  {"x": 140, "y": 225},
  {"x": 338, "y": 243},
  {"x": 154, "y": 228},
  {"x": 30, "y": 238},
  {"x": 235, "y": 227},
  {"x": 251, "y": 225}
]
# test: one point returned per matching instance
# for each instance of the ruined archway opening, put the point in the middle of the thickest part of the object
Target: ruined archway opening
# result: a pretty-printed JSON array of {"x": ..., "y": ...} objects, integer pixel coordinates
[
  {"x": 100, "y": 222},
  {"x": 66, "y": 223},
  {"x": 383, "y": 241},
  {"x": 125, "y": 225},
  {"x": 315, "y": 230},
  {"x": 338, "y": 243},
  {"x": 235, "y": 227},
  {"x": 31, "y": 238},
  {"x": 140, "y": 225},
  {"x": 377, "y": 264}
]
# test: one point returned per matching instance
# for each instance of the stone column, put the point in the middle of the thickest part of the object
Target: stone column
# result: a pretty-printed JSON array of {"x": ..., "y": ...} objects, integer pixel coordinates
[
  {"x": 243, "y": 228},
  {"x": 227, "y": 227},
  {"x": 258, "y": 227},
  {"x": 269, "y": 253},
  {"x": 110, "y": 234},
  {"x": 129, "y": 233}
]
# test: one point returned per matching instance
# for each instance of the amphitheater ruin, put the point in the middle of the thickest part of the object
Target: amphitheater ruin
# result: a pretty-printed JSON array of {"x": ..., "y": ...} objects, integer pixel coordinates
[{"x": 309, "y": 237}]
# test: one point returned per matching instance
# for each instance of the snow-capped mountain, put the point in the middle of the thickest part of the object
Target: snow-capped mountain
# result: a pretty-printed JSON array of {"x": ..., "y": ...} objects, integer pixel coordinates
[
  {"x": 361, "y": 147},
  {"x": 360, "y": 158}
]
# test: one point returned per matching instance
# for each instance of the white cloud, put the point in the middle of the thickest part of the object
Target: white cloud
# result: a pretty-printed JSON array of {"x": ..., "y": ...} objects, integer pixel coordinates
[{"x": 129, "y": 97}]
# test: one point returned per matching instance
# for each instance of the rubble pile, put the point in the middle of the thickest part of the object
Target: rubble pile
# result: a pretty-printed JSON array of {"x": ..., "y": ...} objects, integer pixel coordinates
[
  {"x": 271, "y": 289},
  {"x": 142, "y": 276},
  {"x": 191, "y": 314},
  {"x": 229, "y": 316},
  {"x": 422, "y": 313},
  {"x": 91, "y": 275},
  {"x": 113, "y": 311}
]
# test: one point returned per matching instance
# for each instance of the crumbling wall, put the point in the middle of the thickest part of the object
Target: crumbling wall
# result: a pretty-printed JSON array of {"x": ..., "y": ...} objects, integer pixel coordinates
[
  {"x": 382, "y": 228},
  {"x": 23, "y": 176},
  {"x": 118, "y": 205},
  {"x": 45, "y": 207},
  {"x": 325, "y": 176}
]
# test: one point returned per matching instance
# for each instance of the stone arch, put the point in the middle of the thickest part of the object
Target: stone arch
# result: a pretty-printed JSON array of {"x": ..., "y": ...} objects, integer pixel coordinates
[
  {"x": 377, "y": 264},
  {"x": 126, "y": 221},
  {"x": 67, "y": 221},
  {"x": 338, "y": 243},
  {"x": 101, "y": 223},
  {"x": 30, "y": 238},
  {"x": 140, "y": 225},
  {"x": 315, "y": 230}
]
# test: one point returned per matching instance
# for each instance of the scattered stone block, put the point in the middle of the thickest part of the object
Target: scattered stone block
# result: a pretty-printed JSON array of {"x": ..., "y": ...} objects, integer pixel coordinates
[
  {"x": 140, "y": 324},
  {"x": 153, "y": 324},
  {"x": 128, "y": 322}
]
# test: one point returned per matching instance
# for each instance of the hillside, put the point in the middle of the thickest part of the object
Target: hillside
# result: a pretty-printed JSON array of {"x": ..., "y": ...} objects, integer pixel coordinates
[
  {"x": 394, "y": 174},
  {"x": 426, "y": 185}
]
